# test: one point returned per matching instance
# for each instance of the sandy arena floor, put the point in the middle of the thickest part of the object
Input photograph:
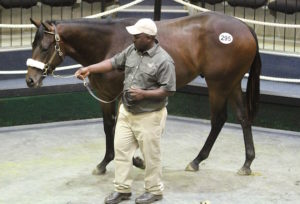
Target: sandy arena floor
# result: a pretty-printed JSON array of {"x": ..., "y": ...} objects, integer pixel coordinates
[{"x": 52, "y": 163}]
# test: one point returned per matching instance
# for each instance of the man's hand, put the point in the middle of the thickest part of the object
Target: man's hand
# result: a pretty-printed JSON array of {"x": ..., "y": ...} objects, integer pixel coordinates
[
  {"x": 136, "y": 94},
  {"x": 82, "y": 73}
]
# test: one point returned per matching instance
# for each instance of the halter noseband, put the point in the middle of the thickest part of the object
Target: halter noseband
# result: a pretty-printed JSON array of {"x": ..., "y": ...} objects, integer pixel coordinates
[{"x": 48, "y": 67}]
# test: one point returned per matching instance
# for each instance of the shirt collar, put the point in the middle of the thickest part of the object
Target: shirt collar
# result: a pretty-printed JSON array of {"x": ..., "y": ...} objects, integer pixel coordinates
[{"x": 153, "y": 49}]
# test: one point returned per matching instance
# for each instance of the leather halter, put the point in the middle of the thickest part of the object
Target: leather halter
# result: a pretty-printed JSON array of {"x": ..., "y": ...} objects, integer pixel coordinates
[{"x": 48, "y": 68}]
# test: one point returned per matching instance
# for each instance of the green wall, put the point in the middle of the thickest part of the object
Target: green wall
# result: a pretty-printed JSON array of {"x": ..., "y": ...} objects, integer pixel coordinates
[{"x": 80, "y": 105}]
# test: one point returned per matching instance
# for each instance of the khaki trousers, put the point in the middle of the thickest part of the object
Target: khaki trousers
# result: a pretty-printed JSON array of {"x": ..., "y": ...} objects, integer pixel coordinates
[{"x": 142, "y": 130}]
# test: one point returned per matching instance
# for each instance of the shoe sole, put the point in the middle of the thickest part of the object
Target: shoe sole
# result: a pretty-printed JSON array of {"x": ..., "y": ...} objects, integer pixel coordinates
[
  {"x": 150, "y": 201},
  {"x": 118, "y": 201}
]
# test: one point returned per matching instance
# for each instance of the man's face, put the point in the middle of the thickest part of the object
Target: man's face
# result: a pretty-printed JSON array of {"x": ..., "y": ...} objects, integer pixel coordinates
[{"x": 142, "y": 42}]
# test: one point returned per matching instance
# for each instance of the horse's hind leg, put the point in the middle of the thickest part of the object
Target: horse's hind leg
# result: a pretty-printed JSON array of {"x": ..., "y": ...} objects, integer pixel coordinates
[
  {"x": 218, "y": 103},
  {"x": 236, "y": 100}
]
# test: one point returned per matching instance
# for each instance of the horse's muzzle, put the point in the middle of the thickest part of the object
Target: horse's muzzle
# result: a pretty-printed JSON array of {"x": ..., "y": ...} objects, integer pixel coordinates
[
  {"x": 33, "y": 82},
  {"x": 29, "y": 82}
]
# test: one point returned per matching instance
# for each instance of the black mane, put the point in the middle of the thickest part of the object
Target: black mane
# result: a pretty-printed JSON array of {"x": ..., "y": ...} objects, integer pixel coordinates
[
  {"x": 81, "y": 21},
  {"x": 85, "y": 21}
]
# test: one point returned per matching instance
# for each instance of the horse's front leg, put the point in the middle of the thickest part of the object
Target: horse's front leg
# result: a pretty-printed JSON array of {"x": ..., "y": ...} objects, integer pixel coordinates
[{"x": 109, "y": 122}]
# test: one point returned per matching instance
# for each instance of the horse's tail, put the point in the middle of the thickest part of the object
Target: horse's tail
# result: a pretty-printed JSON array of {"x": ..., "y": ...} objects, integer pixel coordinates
[{"x": 252, "y": 93}]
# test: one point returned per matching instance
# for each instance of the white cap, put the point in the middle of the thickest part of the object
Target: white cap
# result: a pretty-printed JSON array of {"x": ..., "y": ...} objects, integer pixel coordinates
[{"x": 144, "y": 25}]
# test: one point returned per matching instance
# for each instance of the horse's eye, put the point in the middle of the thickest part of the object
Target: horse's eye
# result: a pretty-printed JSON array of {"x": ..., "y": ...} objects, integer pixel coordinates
[{"x": 43, "y": 49}]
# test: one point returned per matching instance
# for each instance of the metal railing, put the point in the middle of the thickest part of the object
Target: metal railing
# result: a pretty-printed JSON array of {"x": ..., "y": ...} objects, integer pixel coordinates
[
  {"x": 22, "y": 37},
  {"x": 271, "y": 38}
]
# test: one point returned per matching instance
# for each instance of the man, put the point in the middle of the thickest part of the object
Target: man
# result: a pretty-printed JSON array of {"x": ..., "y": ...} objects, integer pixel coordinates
[{"x": 149, "y": 80}]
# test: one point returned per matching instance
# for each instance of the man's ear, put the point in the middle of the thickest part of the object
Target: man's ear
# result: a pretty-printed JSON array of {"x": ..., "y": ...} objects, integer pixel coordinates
[{"x": 36, "y": 23}]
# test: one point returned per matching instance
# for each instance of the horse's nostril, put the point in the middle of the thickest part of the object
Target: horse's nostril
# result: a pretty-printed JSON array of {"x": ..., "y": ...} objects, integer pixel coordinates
[{"x": 29, "y": 81}]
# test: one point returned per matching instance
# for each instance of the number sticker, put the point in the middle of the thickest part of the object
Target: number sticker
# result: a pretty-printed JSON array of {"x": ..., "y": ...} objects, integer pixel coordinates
[{"x": 225, "y": 38}]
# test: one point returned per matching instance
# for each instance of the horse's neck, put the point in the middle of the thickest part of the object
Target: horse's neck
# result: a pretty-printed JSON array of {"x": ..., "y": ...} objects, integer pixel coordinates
[{"x": 85, "y": 45}]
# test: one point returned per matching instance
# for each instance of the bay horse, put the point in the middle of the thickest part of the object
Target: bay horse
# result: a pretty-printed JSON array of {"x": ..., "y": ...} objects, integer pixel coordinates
[{"x": 218, "y": 47}]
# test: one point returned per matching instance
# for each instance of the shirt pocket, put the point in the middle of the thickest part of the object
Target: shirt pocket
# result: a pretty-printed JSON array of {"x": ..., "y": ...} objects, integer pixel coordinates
[
  {"x": 148, "y": 69},
  {"x": 148, "y": 76},
  {"x": 130, "y": 67}
]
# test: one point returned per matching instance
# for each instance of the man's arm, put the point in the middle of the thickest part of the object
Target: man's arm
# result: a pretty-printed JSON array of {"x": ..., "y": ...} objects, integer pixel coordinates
[{"x": 101, "y": 67}]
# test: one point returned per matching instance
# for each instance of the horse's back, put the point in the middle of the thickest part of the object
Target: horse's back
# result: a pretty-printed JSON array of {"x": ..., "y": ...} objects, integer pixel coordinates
[{"x": 211, "y": 44}]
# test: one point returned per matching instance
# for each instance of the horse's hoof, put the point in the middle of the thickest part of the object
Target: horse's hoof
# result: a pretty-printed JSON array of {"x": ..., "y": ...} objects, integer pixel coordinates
[
  {"x": 139, "y": 163},
  {"x": 244, "y": 171},
  {"x": 99, "y": 171},
  {"x": 192, "y": 167}
]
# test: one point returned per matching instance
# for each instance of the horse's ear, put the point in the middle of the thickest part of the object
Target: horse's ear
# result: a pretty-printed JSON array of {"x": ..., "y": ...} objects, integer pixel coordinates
[
  {"x": 47, "y": 26},
  {"x": 36, "y": 23}
]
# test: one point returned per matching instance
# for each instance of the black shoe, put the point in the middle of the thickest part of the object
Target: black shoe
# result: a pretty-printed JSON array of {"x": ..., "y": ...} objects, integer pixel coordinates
[
  {"x": 148, "y": 198},
  {"x": 116, "y": 197}
]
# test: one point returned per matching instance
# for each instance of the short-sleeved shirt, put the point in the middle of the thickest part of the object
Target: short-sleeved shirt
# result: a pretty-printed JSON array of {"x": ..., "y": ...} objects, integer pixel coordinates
[{"x": 150, "y": 70}]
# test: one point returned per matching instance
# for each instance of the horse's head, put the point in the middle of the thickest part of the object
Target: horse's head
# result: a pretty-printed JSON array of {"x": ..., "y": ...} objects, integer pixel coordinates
[{"x": 46, "y": 53}]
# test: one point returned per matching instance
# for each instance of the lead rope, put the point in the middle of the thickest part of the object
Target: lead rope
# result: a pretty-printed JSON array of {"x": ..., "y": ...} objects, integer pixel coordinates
[{"x": 86, "y": 84}]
